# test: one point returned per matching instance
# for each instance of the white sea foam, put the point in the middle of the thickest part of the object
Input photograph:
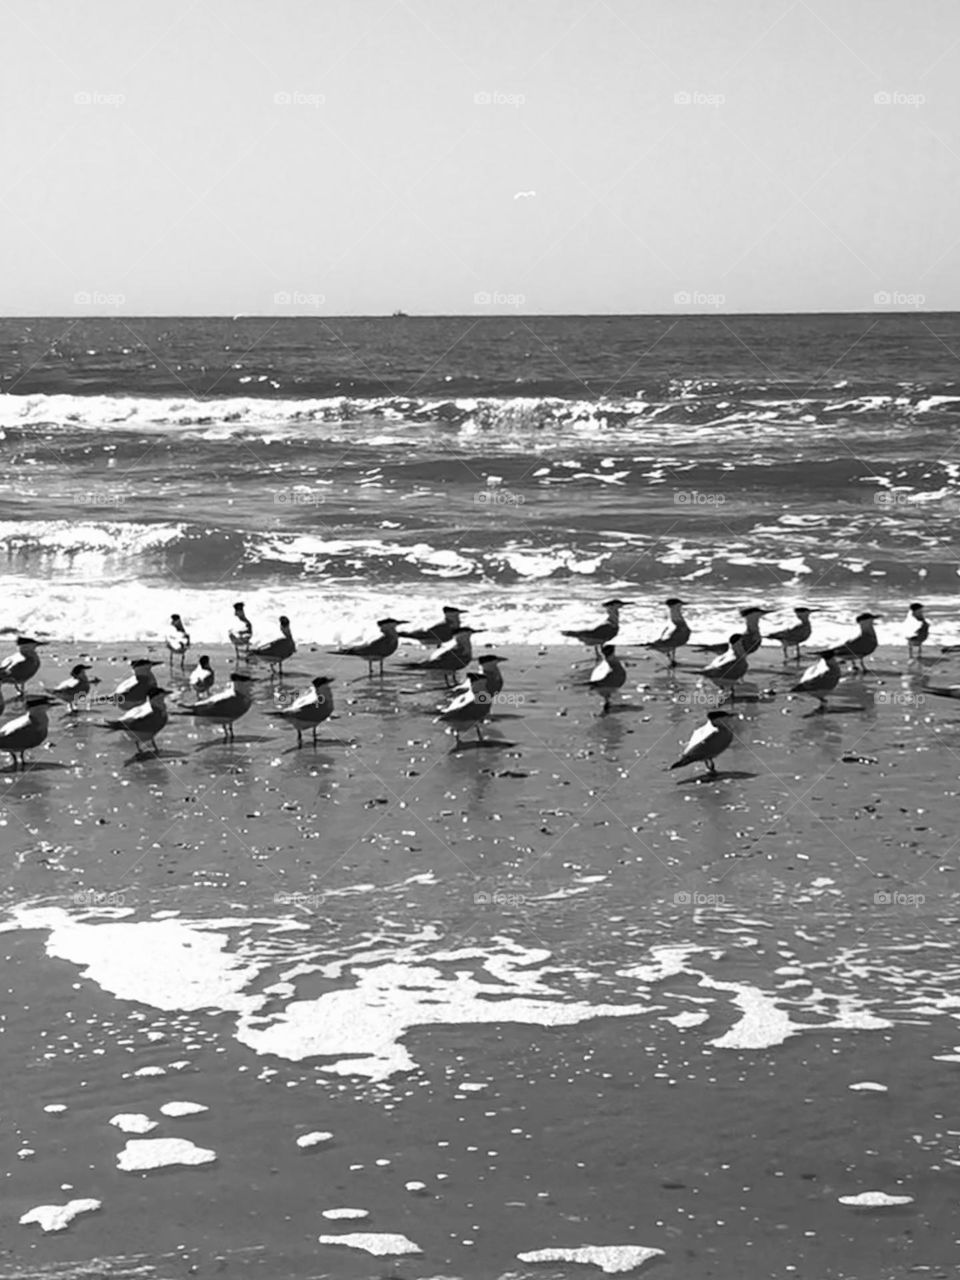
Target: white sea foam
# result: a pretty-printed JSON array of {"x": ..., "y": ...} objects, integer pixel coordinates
[
  {"x": 182, "y": 1108},
  {"x": 143, "y": 1154},
  {"x": 380, "y": 1243},
  {"x": 874, "y": 1200},
  {"x": 612, "y": 1260},
  {"x": 346, "y": 1214},
  {"x": 57, "y": 1217},
  {"x": 133, "y": 1122}
]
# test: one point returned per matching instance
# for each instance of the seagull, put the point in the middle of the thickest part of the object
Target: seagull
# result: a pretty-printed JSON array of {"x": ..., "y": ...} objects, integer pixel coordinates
[
  {"x": 794, "y": 637},
  {"x": 709, "y": 741},
  {"x": 28, "y": 731},
  {"x": 675, "y": 636},
  {"x": 310, "y": 709},
  {"x": 138, "y": 687},
  {"x": 144, "y": 721},
  {"x": 178, "y": 641},
  {"x": 440, "y": 632},
  {"x": 752, "y": 639},
  {"x": 377, "y": 650},
  {"x": 468, "y": 708},
  {"x": 594, "y": 637},
  {"x": 17, "y": 668},
  {"x": 864, "y": 644},
  {"x": 730, "y": 667},
  {"x": 277, "y": 651},
  {"x": 917, "y": 638},
  {"x": 490, "y": 666},
  {"x": 225, "y": 707},
  {"x": 452, "y": 657},
  {"x": 202, "y": 677},
  {"x": 607, "y": 676},
  {"x": 77, "y": 685},
  {"x": 820, "y": 679},
  {"x": 241, "y": 631}
]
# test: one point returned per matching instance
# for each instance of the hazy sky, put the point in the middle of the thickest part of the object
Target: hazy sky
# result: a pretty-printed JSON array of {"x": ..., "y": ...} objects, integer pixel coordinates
[{"x": 355, "y": 156}]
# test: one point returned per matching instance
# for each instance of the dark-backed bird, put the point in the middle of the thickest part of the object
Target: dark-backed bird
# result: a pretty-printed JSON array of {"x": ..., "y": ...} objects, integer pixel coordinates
[
  {"x": 202, "y": 676},
  {"x": 309, "y": 710},
  {"x": 384, "y": 646},
  {"x": 793, "y": 637},
  {"x": 751, "y": 637},
  {"x": 490, "y": 666},
  {"x": 17, "y": 668},
  {"x": 821, "y": 678},
  {"x": 143, "y": 722},
  {"x": 138, "y": 687},
  {"x": 607, "y": 676},
  {"x": 178, "y": 640},
  {"x": 676, "y": 634},
  {"x": 225, "y": 707},
  {"x": 77, "y": 685},
  {"x": 241, "y": 631},
  {"x": 860, "y": 646},
  {"x": 594, "y": 637},
  {"x": 441, "y": 631},
  {"x": 918, "y": 629},
  {"x": 729, "y": 668},
  {"x": 27, "y": 731},
  {"x": 450, "y": 658},
  {"x": 708, "y": 742},
  {"x": 469, "y": 708},
  {"x": 277, "y": 651}
]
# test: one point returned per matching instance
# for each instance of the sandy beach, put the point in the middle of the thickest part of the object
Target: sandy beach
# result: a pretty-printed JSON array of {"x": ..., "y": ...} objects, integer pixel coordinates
[{"x": 468, "y": 968}]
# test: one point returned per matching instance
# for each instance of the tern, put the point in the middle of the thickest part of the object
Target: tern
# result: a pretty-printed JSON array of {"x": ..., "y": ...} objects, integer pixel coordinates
[
  {"x": 144, "y": 721},
  {"x": 607, "y": 676},
  {"x": 310, "y": 709},
  {"x": 793, "y": 637},
  {"x": 277, "y": 651},
  {"x": 917, "y": 638},
  {"x": 385, "y": 645},
  {"x": 241, "y": 631},
  {"x": 821, "y": 678},
  {"x": 137, "y": 688},
  {"x": 490, "y": 666},
  {"x": 729, "y": 667},
  {"x": 676, "y": 634},
  {"x": 440, "y": 632},
  {"x": 709, "y": 741},
  {"x": 469, "y": 708},
  {"x": 453, "y": 657},
  {"x": 202, "y": 676},
  {"x": 77, "y": 685},
  {"x": 225, "y": 707},
  {"x": 594, "y": 637},
  {"x": 27, "y": 731},
  {"x": 17, "y": 668},
  {"x": 751, "y": 637},
  {"x": 863, "y": 645},
  {"x": 178, "y": 641}
]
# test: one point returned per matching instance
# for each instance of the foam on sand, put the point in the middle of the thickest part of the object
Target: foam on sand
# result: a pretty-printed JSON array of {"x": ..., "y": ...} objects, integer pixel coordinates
[
  {"x": 874, "y": 1200},
  {"x": 142, "y": 1154},
  {"x": 380, "y": 1243},
  {"x": 613, "y": 1260},
  {"x": 182, "y": 1108},
  {"x": 57, "y": 1217},
  {"x": 133, "y": 1122},
  {"x": 307, "y": 1140},
  {"x": 337, "y": 1214},
  {"x": 867, "y": 1086}
]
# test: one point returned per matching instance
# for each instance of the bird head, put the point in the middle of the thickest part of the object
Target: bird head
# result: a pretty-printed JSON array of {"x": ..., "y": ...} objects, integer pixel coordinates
[
  {"x": 25, "y": 642},
  {"x": 39, "y": 700},
  {"x": 718, "y": 717},
  {"x": 491, "y": 657},
  {"x": 241, "y": 679},
  {"x": 319, "y": 682},
  {"x": 674, "y": 602}
]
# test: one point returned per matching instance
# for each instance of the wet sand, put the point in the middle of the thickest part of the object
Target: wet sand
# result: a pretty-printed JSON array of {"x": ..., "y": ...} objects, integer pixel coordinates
[{"x": 660, "y": 988}]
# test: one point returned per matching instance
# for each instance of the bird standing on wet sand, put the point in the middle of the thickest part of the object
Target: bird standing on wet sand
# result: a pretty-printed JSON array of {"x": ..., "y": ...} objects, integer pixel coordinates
[
  {"x": 137, "y": 688},
  {"x": 469, "y": 708},
  {"x": 860, "y": 646},
  {"x": 225, "y": 707},
  {"x": 202, "y": 675},
  {"x": 729, "y": 668},
  {"x": 277, "y": 651},
  {"x": 77, "y": 685},
  {"x": 27, "y": 731},
  {"x": 594, "y": 637},
  {"x": 820, "y": 679},
  {"x": 607, "y": 676},
  {"x": 385, "y": 645},
  {"x": 918, "y": 631},
  {"x": 709, "y": 741},
  {"x": 310, "y": 709},
  {"x": 241, "y": 631},
  {"x": 450, "y": 658},
  {"x": 440, "y": 632},
  {"x": 17, "y": 668},
  {"x": 178, "y": 641},
  {"x": 676, "y": 634},
  {"x": 793, "y": 637},
  {"x": 490, "y": 666},
  {"x": 144, "y": 721},
  {"x": 750, "y": 637}
]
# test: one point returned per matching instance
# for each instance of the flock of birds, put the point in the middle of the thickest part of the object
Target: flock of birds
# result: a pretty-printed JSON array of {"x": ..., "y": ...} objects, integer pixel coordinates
[{"x": 141, "y": 701}]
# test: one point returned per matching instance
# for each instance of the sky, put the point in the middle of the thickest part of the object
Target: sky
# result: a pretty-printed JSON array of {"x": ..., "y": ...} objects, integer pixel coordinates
[{"x": 349, "y": 157}]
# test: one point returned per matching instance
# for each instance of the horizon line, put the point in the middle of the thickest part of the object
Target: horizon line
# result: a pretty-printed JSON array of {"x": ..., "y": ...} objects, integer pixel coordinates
[{"x": 467, "y": 315}]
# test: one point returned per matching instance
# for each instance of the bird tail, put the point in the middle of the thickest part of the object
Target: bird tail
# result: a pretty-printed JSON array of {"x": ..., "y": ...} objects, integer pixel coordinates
[
  {"x": 943, "y": 693},
  {"x": 680, "y": 763}
]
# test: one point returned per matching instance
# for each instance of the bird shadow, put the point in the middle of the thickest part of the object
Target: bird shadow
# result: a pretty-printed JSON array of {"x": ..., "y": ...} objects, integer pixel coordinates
[
  {"x": 35, "y": 766},
  {"x": 848, "y": 709},
  {"x": 485, "y": 744},
  {"x": 320, "y": 742},
  {"x": 506, "y": 715},
  {"x": 722, "y": 775},
  {"x": 228, "y": 742},
  {"x": 143, "y": 757},
  {"x": 620, "y": 708}
]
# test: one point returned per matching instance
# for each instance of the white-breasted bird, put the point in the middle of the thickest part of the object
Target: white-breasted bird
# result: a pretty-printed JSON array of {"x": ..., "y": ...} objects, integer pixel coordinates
[
  {"x": 729, "y": 667},
  {"x": 77, "y": 685},
  {"x": 708, "y": 742},
  {"x": 17, "y": 668},
  {"x": 27, "y": 731},
  {"x": 144, "y": 721},
  {"x": 277, "y": 651},
  {"x": 225, "y": 707},
  {"x": 441, "y": 631},
  {"x": 490, "y": 666},
  {"x": 309, "y": 710},
  {"x": 821, "y": 678},
  {"x": 241, "y": 631},
  {"x": 607, "y": 676},
  {"x": 918, "y": 630},
  {"x": 793, "y": 637},
  {"x": 594, "y": 637},
  {"x": 860, "y": 646},
  {"x": 450, "y": 658},
  {"x": 676, "y": 634},
  {"x": 178, "y": 640},
  {"x": 469, "y": 708},
  {"x": 383, "y": 647},
  {"x": 138, "y": 687},
  {"x": 750, "y": 636},
  {"x": 202, "y": 676}
]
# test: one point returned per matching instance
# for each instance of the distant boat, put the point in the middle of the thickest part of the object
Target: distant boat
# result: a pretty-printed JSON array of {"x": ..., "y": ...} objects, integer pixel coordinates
[{"x": 399, "y": 314}]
